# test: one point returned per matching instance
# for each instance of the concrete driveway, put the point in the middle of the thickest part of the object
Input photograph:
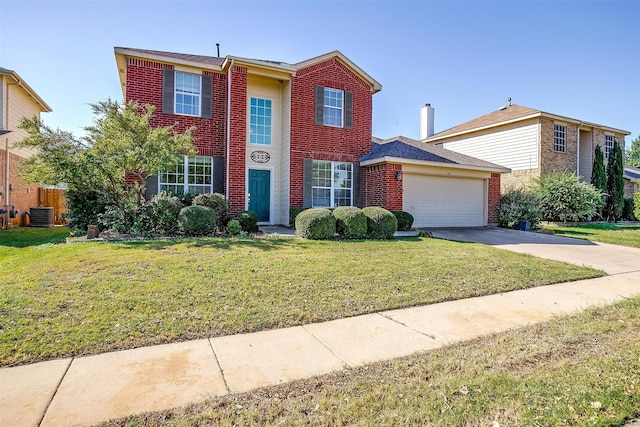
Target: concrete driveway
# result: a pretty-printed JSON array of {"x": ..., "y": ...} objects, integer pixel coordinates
[{"x": 613, "y": 259}]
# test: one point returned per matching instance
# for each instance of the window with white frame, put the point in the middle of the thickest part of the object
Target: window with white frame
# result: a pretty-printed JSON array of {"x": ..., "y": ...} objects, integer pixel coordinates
[
  {"x": 559, "y": 138},
  {"x": 608, "y": 145},
  {"x": 333, "y": 107},
  {"x": 192, "y": 175},
  {"x": 260, "y": 121},
  {"x": 332, "y": 184},
  {"x": 187, "y": 94}
]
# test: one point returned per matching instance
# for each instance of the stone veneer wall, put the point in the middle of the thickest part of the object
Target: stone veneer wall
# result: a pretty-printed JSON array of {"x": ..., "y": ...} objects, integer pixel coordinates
[{"x": 552, "y": 161}]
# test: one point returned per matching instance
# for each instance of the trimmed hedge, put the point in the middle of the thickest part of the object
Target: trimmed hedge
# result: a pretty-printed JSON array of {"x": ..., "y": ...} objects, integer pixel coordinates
[
  {"x": 248, "y": 221},
  {"x": 351, "y": 223},
  {"x": 197, "y": 220},
  {"x": 293, "y": 213},
  {"x": 381, "y": 224},
  {"x": 158, "y": 216},
  {"x": 405, "y": 220},
  {"x": 316, "y": 224},
  {"x": 218, "y": 203}
]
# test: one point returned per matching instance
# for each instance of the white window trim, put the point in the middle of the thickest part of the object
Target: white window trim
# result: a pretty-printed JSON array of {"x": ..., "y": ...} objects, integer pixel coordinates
[
  {"x": 186, "y": 183},
  {"x": 607, "y": 149},
  {"x": 332, "y": 203},
  {"x": 564, "y": 138},
  {"x": 324, "y": 120},
  {"x": 256, "y": 144},
  {"x": 175, "y": 95}
]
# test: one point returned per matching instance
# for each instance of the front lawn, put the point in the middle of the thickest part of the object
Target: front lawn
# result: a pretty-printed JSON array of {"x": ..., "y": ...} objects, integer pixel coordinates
[
  {"x": 602, "y": 232},
  {"x": 580, "y": 370},
  {"x": 83, "y": 298}
]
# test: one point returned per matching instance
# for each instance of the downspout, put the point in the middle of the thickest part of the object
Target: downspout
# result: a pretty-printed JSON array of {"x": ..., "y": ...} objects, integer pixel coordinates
[
  {"x": 226, "y": 174},
  {"x": 6, "y": 164}
]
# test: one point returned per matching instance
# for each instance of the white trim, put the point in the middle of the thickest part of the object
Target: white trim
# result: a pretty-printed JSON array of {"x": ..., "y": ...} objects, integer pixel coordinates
[
  {"x": 400, "y": 160},
  {"x": 271, "y": 170},
  {"x": 175, "y": 94}
]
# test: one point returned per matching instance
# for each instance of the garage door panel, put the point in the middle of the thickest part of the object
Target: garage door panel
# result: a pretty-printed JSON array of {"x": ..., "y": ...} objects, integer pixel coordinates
[{"x": 443, "y": 201}]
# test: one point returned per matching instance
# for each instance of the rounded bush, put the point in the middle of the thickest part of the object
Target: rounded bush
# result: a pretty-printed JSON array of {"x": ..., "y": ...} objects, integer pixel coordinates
[
  {"x": 405, "y": 220},
  {"x": 381, "y": 224},
  {"x": 519, "y": 205},
  {"x": 316, "y": 224},
  {"x": 218, "y": 203},
  {"x": 233, "y": 227},
  {"x": 293, "y": 213},
  {"x": 248, "y": 221},
  {"x": 564, "y": 198},
  {"x": 351, "y": 223},
  {"x": 197, "y": 220},
  {"x": 158, "y": 216}
]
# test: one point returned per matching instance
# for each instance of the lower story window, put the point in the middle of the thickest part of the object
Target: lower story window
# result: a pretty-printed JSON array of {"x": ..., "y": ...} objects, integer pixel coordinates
[
  {"x": 192, "y": 175},
  {"x": 332, "y": 184}
]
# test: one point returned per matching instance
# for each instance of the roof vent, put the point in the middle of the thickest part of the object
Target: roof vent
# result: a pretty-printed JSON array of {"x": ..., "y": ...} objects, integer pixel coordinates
[{"x": 504, "y": 107}]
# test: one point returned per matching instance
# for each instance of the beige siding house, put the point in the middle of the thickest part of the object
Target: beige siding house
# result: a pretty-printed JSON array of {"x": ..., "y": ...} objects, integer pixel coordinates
[
  {"x": 530, "y": 142},
  {"x": 17, "y": 100}
]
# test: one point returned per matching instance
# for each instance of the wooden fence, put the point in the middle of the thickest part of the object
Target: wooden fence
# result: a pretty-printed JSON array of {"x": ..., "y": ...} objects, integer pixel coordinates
[{"x": 55, "y": 199}]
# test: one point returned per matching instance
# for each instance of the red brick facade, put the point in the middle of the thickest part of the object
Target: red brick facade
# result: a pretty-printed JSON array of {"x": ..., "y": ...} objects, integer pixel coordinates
[
  {"x": 380, "y": 186},
  {"x": 311, "y": 141},
  {"x": 22, "y": 196},
  {"x": 494, "y": 198},
  {"x": 237, "y": 152}
]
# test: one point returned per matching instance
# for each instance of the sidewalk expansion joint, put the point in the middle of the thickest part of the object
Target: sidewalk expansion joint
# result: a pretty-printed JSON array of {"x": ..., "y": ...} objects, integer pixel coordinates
[
  {"x": 55, "y": 392},
  {"x": 326, "y": 346},
  {"x": 433, "y": 337},
  {"x": 215, "y": 355}
]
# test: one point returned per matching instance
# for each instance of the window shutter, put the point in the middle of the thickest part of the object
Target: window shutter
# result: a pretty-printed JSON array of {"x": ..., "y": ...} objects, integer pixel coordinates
[
  {"x": 348, "y": 109},
  {"x": 218, "y": 174},
  {"x": 319, "y": 111},
  {"x": 357, "y": 184},
  {"x": 152, "y": 187},
  {"x": 168, "y": 90},
  {"x": 307, "y": 183},
  {"x": 205, "y": 100}
]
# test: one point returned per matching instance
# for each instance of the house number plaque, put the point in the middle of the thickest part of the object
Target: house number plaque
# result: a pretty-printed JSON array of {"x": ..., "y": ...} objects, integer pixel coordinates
[{"x": 260, "y": 156}]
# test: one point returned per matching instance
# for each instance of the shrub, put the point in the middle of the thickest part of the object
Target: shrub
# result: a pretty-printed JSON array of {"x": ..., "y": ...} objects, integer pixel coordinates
[
  {"x": 158, "y": 216},
  {"x": 233, "y": 227},
  {"x": 84, "y": 208},
  {"x": 628, "y": 210},
  {"x": 197, "y": 220},
  {"x": 114, "y": 218},
  {"x": 636, "y": 204},
  {"x": 293, "y": 213},
  {"x": 517, "y": 205},
  {"x": 248, "y": 221},
  {"x": 381, "y": 224},
  {"x": 316, "y": 224},
  {"x": 218, "y": 203},
  {"x": 564, "y": 198},
  {"x": 405, "y": 220},
  {"x": 351, "y": 223}
]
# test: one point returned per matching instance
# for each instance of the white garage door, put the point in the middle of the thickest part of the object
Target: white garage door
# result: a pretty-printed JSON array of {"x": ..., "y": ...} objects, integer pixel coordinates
[{"x": 444, "y": 202}]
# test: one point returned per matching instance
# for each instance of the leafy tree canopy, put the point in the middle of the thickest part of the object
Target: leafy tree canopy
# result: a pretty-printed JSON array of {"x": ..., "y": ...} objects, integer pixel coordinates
[{"x": 633, "y": 153}]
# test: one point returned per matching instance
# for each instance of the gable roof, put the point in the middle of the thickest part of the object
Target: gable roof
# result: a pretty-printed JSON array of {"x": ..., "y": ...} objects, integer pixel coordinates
[
  {"x": 509, "y": 114},
  {"x": 402, "y": 148},
  {"x": 32, "y": 93}
]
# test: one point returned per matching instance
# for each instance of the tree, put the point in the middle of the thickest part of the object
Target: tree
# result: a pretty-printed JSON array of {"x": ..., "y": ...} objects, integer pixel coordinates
[
  {"x": 615, "y": 184},
  {"x": 120, "y": 144},
  {"x": 565, "y": 198},
  {"x": 633, "y": 154},
  {"x": 599, "y": 173}
]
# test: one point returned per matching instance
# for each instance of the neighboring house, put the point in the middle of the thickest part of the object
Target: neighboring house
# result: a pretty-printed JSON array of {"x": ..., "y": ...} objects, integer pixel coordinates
[
  {"x": 17, "y": 100},
  {"x": 530, "y": 142},
  {"x": 439, "y": 187},
  {"x": 272, "y": 135},
  {"x": 631, "y": 181}
]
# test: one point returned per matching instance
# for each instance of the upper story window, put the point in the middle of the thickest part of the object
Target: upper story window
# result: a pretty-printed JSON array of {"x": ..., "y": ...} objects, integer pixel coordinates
[
  {"x": 608, "y": 145},
  {"x": 332, "y": 184},
  {"x": 192, "y": 175},
  {"x": 187, "y": 94},
  {"x": 559, "y": 138},
  {"x": 333, "y": 107},
  {"x": 260, "y": 121}
]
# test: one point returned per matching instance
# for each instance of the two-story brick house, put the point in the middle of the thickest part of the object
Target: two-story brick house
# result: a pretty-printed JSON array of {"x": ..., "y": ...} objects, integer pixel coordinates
[
  {"x": 530, "y": 142},
  {"x": 271, "y": 135}
]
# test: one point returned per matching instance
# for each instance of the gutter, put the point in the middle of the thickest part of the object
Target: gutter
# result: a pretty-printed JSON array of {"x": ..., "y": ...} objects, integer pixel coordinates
[{"x": 400, "y": 160}]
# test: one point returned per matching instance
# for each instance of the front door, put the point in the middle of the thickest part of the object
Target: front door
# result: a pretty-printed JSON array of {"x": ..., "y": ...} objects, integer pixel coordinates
[{"x": 259, "y": 193}]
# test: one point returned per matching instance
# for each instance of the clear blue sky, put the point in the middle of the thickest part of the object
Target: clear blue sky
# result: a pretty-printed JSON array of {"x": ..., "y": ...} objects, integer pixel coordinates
[{"x": 575, "y": 58}]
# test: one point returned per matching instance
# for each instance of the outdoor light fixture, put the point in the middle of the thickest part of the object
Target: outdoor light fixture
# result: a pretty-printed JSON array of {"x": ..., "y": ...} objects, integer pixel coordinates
[{"x": 398, "y": 175}]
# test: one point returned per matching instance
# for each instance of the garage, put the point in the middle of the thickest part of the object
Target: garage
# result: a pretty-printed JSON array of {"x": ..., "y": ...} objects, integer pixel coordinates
[{"x": 445, "y": 202}]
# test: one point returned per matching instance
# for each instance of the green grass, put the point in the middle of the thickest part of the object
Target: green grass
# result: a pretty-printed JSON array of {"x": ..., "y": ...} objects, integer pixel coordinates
[
  {"x": 602, "y": 232},
  {"x": 580, "y": 370},
  {"x": 30, "y": 236},
  {"x": 91, "y": 297}
]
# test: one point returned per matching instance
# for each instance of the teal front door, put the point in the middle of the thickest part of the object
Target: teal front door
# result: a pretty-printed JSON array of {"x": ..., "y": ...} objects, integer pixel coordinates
[{"x": 259, "y": 193}]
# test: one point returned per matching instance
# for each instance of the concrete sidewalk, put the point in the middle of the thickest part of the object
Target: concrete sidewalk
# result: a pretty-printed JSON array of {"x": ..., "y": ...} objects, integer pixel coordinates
[{"x": 87, "y": 390}]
